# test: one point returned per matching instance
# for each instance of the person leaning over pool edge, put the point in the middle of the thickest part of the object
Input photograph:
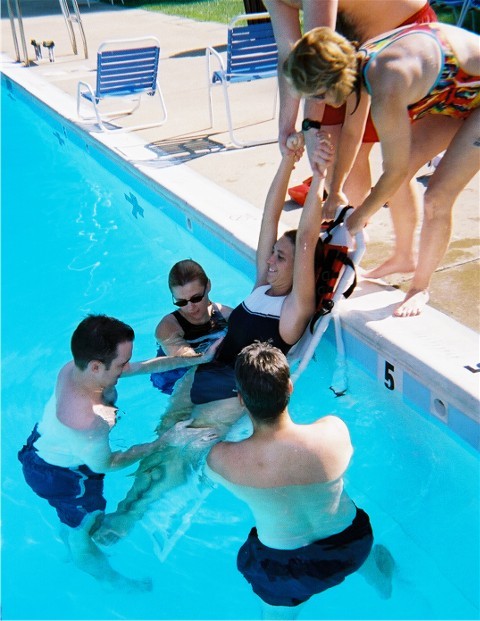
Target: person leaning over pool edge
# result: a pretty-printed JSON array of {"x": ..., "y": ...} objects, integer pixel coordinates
[
  {"x": 357, "y": 20},
  {"x": 68, "y": 451},
  {"x": 309, "y": 535},
  {"x": 422, "y": 83}
]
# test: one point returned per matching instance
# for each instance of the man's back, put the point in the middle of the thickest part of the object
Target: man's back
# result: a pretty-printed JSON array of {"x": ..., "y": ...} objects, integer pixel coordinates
[
  {"x": 291, "y": 478},
  {"x": 309, "y": 535}
]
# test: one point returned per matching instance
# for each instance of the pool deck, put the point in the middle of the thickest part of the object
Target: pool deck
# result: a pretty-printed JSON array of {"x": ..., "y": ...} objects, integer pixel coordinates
[{"x": 185, "y": 155}]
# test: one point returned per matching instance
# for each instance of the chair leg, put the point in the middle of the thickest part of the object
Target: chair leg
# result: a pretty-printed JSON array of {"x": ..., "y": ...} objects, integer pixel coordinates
[
  {"x": 101, "y": 118},
  {"x": 229, "y": 115},
  {"x": 163, "y": 120},
  {"x": 463, "y": 13},
  {"x": 162, "y": 104},
  {"x": 210, "y": 105},
  {"x": 209, "y": 87},
  {"x": 233, "y": 139}
]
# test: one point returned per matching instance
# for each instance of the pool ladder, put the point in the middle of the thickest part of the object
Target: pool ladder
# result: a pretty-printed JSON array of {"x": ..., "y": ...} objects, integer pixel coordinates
[
  {"x": 12, "y": 14},
  {"x": 71, "y": 18}
]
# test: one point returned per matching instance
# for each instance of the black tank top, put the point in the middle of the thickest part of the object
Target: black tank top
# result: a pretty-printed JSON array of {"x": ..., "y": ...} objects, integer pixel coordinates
[
  {"x": 193, "y": 332},
  {"x": 200, "y": 337}
]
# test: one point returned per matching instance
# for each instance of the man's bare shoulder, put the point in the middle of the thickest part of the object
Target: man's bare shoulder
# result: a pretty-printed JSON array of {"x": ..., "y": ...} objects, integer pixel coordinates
[
  {"x": 79, "y": 411},
  {"x": 225, "y": 457},
  {"x": 330, "y": 437},
  {"x": 83, "y": 415},
  {"x": 217, "y": 454},
  {"x": 329, "y": 423}
]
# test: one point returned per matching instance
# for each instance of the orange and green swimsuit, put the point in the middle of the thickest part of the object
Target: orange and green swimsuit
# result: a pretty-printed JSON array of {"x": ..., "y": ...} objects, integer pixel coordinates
[{"x": 455, "y": 92}]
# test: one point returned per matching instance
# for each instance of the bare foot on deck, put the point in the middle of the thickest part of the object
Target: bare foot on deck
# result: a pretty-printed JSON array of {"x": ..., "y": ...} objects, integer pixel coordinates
[
  {"x": 413, "y": 304},
  {"x": 393, "y": 265}
]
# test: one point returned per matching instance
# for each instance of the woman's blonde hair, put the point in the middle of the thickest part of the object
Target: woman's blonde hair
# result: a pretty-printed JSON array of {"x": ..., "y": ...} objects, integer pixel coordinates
[{"x": 322, "y": 60}]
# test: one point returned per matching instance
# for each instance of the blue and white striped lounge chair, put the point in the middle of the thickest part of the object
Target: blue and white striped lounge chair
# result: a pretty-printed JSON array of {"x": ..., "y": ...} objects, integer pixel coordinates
[
  {"x": 126, "y": 69},
  {"x": 251, "y": 55}
]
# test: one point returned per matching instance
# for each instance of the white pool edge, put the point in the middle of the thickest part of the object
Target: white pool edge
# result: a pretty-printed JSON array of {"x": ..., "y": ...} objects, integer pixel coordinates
[{"x": 432, "y": 360}]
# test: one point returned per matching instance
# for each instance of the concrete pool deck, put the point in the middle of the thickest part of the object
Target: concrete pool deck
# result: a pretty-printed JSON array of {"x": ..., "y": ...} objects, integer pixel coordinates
[{"x": 185, "y": 156}]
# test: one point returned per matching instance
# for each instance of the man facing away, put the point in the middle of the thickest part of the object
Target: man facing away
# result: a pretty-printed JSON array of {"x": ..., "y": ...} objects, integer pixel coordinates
[
  {"x": 309, "y": 534},
  {"x": 68, "y": 451}
]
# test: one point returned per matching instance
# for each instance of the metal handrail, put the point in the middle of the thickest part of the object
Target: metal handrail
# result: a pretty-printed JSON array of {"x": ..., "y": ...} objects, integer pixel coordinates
[
  {"x": 69, "y": 20},
  {"x": 11, "y": 15},
  {"x": 14, "y": 13}
]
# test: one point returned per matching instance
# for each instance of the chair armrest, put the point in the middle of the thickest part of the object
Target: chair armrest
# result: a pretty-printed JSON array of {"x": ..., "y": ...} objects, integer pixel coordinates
[
  {"x": 209, "y": 53},
  {"x": 86, "y": 91}
]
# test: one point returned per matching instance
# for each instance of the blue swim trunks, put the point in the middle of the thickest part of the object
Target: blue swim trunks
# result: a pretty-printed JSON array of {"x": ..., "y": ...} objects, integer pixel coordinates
[
  {"x": 291, "y": 577},
  {"x": 166, "y": 380},
  {"x": 73, "y": 492}
]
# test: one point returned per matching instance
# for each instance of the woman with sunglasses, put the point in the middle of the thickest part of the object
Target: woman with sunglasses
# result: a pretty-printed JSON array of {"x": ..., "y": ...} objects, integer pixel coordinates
[{"x": 194, "y": 326}]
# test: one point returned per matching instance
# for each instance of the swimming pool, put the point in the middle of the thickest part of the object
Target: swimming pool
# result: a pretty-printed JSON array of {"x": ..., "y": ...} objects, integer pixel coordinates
[{"x": 79, "y": 238}]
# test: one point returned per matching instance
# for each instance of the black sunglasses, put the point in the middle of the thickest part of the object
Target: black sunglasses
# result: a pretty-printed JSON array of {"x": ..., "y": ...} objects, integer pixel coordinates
[{"x": 195, "y": 299}]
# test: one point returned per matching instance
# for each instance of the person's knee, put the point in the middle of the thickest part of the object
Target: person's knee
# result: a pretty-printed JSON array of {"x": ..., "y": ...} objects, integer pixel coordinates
[{"x": 438, "y": 204}]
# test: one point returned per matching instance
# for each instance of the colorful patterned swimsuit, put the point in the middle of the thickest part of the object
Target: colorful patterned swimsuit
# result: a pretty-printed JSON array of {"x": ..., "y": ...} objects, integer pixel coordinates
[{"x": 455, "y": 92}]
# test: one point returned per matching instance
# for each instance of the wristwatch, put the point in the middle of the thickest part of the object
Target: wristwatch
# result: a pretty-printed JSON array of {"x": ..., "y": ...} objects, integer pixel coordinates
[{"x": 309, "y": 124}]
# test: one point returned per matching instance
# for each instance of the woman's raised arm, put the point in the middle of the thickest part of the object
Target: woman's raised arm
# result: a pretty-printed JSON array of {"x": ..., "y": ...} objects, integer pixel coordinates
[
  {"x": 299, "y": 305},
  {"x": 273, "y": 207}
]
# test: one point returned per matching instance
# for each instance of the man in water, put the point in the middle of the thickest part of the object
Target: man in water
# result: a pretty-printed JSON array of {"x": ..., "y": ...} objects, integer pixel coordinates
[
  {"x": 68, "y": 451},
  {"x": 309, "y": 534}
]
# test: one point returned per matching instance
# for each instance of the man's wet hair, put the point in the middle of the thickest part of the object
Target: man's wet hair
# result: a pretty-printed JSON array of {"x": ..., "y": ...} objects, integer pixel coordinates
[
  {"x": 97, "y": 338},
  {"x": 263, "y": 380}
]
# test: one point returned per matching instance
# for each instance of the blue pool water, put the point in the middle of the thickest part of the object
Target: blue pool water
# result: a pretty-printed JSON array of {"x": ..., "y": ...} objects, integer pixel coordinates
[{"x": 80, "y": 238}]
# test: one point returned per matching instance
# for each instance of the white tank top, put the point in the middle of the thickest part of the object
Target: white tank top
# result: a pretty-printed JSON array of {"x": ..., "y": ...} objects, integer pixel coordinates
[{"x": 61, "y": 445}]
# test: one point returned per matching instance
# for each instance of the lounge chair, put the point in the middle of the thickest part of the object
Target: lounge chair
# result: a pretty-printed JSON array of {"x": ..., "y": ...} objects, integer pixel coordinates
[
  {"x": 251, "y": 55},
  {"x": 126, "y": 69}
]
